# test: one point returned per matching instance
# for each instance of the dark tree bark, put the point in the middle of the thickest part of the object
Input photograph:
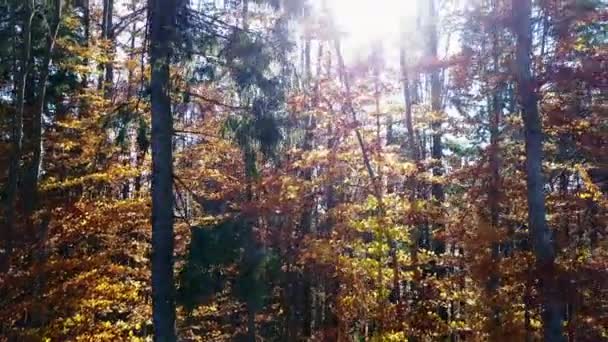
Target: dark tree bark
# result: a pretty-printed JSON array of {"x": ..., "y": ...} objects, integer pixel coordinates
[
  {"x": 162, "y": 32},
  {"x": 495, "y": 113},
  {"x": 541, "y": 234},
  {"x": 437, "y": 148},
  {"x": 86, "y": 22},
  {"x": 107, "y": 32},
  {"x": 34, "y": 140},
  {"x": 17, "y": 131},
  {"x": 437, "y": 191},
  {"x": 407, "y": 97},
  {"x": 412, "y": 151}
]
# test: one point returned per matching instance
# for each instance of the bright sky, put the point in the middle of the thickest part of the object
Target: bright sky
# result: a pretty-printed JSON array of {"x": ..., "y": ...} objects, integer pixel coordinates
[{"x": 366, "y": 20}]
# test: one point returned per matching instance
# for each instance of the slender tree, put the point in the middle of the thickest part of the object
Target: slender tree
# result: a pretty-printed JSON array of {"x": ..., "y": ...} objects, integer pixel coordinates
[
  {"x": 17, "y": 125},
  {"x": 411, "y": 145},
  {"x": 162, "y": 33},
  {"x": 107, "y": 33},
  {"x": 494, "y": 113},
  {"x": 436, "y": 107},
  {"x": 541, "y": 234},
  {"x": 34, "y": 137}
]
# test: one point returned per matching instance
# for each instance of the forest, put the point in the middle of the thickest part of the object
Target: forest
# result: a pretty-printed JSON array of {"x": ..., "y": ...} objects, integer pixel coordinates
[{"x": 304, "y": 170}]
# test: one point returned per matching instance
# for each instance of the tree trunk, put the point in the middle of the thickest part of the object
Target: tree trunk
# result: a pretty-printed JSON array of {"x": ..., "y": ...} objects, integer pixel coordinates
[
  {"x": 86, "y": 22},
  {"x": 17, "y": 131},
  {"x": 245, "y": 15},
  {"x": 437, "y": 191},
  {"x": 411, "y": 140},
  {"x": 162, "y": 30},
  {"x": 437, "y": 148},
  {"x": 107, "y": 33},
  {"x": 494, "y": 112},
  {"x": 34, "y": 145},
  {"x": 541, "y": 234}
]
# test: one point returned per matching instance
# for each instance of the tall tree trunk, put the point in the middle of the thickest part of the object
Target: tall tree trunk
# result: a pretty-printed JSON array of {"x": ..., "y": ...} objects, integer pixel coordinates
[
  {"x": 245, "y": 15},
  {"x": 17, "y": 131},
  {"x": 307, "y": 216},
  {"x": 127, "y": 148},
  {"x": 437, "y": 148},
  {"x": 541, "y": 234},
  {"x": 84, "y": 84},
  {"x": 33, "y": 160},
  {"x": 107, "y": 33},
  {"x": 299, "y": 295},
  {"x": 142, "y": 141},
  {"x": 15, "y": 58},
  {"x": 250, "y": 259},
  {"x": 86, "y": 22},
  {"x": 34, "y": 145},
  {"x": 162, "y": 31},
  {"x": 411, "y": 145},
  {"x": 437, "y": 191},
  {"x": 494, "y": 112},
  {"x": 411, "y": 148}
]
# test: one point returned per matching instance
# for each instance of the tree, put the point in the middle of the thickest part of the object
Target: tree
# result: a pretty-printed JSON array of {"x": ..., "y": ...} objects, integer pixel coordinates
[
  {"x": 106, "y": 79},
  {"x": 162, "y": 37},
  {"x": 33, "y": 137},
  {"x": 17, "y": 128},
  {"x": 541, "y": 234}
]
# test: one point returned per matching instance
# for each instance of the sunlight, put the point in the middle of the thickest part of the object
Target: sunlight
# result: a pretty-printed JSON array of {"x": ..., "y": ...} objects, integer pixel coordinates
[{"x": 364, "y": 21}]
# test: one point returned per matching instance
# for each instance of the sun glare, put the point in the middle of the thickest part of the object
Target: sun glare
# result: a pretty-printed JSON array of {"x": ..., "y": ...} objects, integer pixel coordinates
[{"x": 364, "y": 21}]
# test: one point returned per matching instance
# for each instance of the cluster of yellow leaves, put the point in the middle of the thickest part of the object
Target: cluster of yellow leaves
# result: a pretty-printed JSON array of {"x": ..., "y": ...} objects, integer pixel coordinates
[
  {"x": 115, "y": 173},
  {"x": 95, "y": 279}
]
